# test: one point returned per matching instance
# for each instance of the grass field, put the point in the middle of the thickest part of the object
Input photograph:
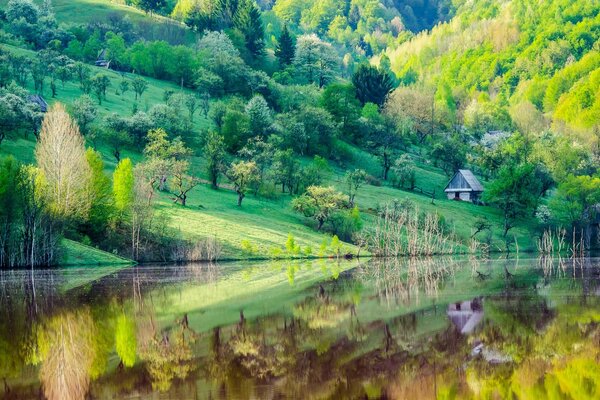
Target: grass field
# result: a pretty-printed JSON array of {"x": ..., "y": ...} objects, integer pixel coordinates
[{"x": 75, "y": 253}]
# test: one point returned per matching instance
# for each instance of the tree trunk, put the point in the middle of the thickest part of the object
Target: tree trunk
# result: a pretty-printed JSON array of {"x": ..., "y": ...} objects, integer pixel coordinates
[
  {"x": 240, "y": 198},
  {"x": 321, "y": 222}
]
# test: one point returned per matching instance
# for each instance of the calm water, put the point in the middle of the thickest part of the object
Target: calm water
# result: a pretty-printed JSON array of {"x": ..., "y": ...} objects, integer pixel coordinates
[{"x": 425, "y": 329}]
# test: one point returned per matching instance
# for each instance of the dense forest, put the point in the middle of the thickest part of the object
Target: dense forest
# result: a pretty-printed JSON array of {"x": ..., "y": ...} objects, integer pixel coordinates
[{"x": 205, "y": 129}]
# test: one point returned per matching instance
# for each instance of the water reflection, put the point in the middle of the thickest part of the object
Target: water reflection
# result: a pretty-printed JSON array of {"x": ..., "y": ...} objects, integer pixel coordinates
[{"x": 430, "y": 328}]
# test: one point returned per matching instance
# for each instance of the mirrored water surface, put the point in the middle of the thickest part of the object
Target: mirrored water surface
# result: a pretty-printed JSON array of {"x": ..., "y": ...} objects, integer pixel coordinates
[{"x": 404, "y": 329}]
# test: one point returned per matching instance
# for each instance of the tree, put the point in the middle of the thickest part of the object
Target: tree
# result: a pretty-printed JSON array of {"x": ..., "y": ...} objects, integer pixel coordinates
[
  {"x": 340, "y": 100},
  {"x": 214, "y": 152},
  {"x": 384, "y": 137},
  {"x": 372, "y": 84},
  {"x": 285, "y": 170},
  {"x": 286, "y": 48},
  {"x": 124, "y": 86},
  {"x": 60, "y": 155},
  {"x": 150, "y": 6},
  {"x": 123, "y": 186},
  {"x": 575, "y": 200},
  {"x": 481, "y": 224},
  {"x": 139, "y": 85},
  {"x": 404, "y": 171},
  {"x": 259, "y": 115},
  {"x": 354, "y": 180},
  {"x": 99, "y": 192},
  {"x": 117, "y": 140},
  {"x": 515, "y": 192},
  {"x": 100, "y": 83},
  {"x": 315, "y": 60},
  {"x": 242, "y": 175},
  {"x": 247, "y": 20},
  {"x": 319, "y": 203},
  {"x": 192, "y": 104},
  {"x": 416, "y": 106},
  {"x": 85, "y": 112}
]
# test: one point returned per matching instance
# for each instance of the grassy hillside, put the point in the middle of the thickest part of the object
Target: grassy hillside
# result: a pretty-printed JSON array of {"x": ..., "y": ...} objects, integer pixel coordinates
[
  {"x": 263, "y": 223},
  {"x": 266, "y": 223}
]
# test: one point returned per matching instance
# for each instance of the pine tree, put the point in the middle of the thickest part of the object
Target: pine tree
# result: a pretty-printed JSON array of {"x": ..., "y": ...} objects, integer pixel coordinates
[
  {"x": 247, "y": 21},
  {"x": 286, "y": 48}
]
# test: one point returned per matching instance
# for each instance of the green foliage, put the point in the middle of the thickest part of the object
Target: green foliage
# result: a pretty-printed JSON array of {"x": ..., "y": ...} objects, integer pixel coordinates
[
  {"x": 125, "y": 340},
  {"x": 123, "y": 185},
  {"x": 372, "y": 84},
  {"x": 515, "y": 191},
  {"x": 286, "y": 48},
  {"x": 319, "y": 203}
]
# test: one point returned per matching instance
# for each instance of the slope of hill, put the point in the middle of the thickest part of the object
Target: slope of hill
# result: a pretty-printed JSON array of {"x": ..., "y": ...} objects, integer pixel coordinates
[
  {"x": 544, "y": 53},
  {"x": 484, "y": 67}
]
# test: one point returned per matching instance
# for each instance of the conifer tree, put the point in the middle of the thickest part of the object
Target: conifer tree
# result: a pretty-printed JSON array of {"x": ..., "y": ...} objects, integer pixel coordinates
[
  {"x": 247, "y": 21},
  {"x": 286, "y": 48}
]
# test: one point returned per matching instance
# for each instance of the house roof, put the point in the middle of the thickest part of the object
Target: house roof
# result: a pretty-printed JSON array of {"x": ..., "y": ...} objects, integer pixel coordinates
[
  {"x": 39, "y": 100},
  {"x": 470, "y": 179}
]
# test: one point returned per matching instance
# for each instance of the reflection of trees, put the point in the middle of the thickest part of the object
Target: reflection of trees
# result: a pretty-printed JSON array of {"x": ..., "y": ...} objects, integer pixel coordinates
[
  {"x": 66, "y": 345},
  {"x": 168, "y": 352},
  {"x": 399, "y": 281}
]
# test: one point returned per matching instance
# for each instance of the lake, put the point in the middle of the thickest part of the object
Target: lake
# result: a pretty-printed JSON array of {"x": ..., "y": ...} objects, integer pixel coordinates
[{"x": 401, "y": 329}]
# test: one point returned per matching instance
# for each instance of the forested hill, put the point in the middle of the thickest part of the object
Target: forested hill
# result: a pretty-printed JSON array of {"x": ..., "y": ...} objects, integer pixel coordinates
[{"x": 536, "y": 62}]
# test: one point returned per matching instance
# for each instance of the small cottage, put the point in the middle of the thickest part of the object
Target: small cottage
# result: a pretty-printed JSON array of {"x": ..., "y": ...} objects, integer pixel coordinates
[
  {"x": 101, "y": 61},
  {"x": 464, "y": 186},
  {"x": 38, "y": 101},
  {"x": 466, "y": 315}
]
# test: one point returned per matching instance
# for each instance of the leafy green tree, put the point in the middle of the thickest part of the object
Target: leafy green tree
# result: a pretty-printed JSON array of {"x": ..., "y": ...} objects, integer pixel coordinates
[
  {"x": 100, "y": 83},
  {"x": 242, "y": 175},
  {"x": 99, "y": 192},
  {"x": 285, "y": 170},
  {"x": 514, "y": 192},
  {"x": 340, "y": 100},
  {"x": 286, "y": 48},
  {"x": 404, "y": 171},
  {"x": 124, "y": 86},
  {"x": 123, "y": 186},
  {"x": 319, "y": 203},
  {"x": 354, "y": 180},
  {"x": 214, "y": 152},
  {"x": 372, "y": 84},
  {"x": 315, "y": 59},
  {"x": 85, "y": 112},
  {"x": 139, "y": 86},
  {"x": 259, "y": 115},
  {"x": 575, "y": 199},
  {"x": 150, "y": 6}
]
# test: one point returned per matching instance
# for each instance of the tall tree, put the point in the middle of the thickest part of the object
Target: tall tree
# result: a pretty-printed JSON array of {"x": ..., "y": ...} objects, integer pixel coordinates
[
  {"x": 123, "y": 185},
  {"x": 515, "y": 192},
  {"x": 286, "y": 48},
  {"x": 242, "y": 175},
  {"x": 214, "y": 151},
  {"x": 315, "y": 59},
  {"x": 247, "y": 20},
  {"x": 60, "y": 154}
]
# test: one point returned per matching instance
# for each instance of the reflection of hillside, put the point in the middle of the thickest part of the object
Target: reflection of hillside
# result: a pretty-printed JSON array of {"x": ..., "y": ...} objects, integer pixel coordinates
[{"x": 315, "y": 330}]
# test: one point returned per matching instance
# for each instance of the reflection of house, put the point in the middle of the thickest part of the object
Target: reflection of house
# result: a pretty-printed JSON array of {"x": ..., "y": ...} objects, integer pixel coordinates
[
  {"x": 39, "y": 101},
  {"x": 466, "y": 315},
  {"x": 101, "y": 61},
  {"x": 464, "y": 186}
]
